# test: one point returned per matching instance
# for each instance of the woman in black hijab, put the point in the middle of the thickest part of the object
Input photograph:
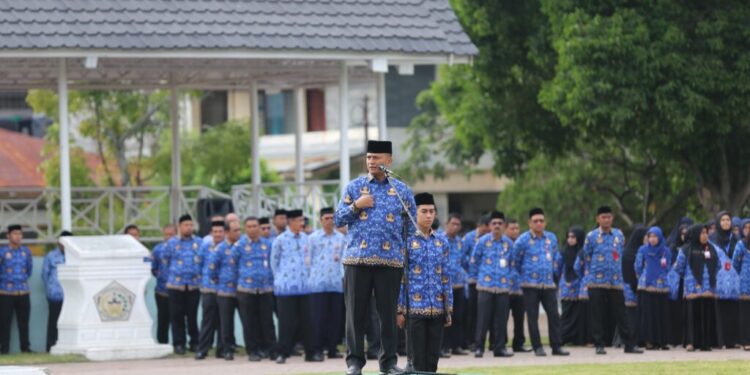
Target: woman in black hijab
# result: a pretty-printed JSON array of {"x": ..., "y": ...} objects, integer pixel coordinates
[
  {"x": 574, "y": 316},
  {"x": 698, "y": 264},
  {"x": 729, "y": 309},
  {"x": 634, "y": 242},
  {"x": 676, "y": 309}
]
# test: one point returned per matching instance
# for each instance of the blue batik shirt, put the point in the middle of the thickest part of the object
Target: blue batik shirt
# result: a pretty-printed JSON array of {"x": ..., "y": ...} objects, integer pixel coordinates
[
  {"x": 222, "y": 267},
  {"x": 255, "y": 275},
  {"x": 208, "y": 254},
  {"x": 537, "y": 260},
  {"x": 602, "y": 253},
  {"x": 727, "y": 278},
  {"x": 290, "y": 262},
  {"x": 16, "y": 264},
  {"x": 490, "y": 264},
  {"x": 468, "y": 243},
  {"x": 652, "y": 265},
  {"x": 375, "y": 234},
  {"x": 159, "y": 268},
  {"x": 183, "y": 260},
  {"x": 430, "y": 290},
  {"x": 49, "y": 275},
  {"x": 326, "y": 270},
  {"x": 455, "y": 270},
  {"x": 692, "y": 288},
  {"x": 741, "y": 264}
]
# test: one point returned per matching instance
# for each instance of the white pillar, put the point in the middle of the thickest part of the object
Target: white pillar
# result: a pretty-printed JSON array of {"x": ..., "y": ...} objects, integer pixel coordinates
[
  {"x": 255, "y": 121},
  {"x": 65, "y": 196},
  {"x": 300, "y": 126},
  {"x": 382, "y": 122},
  {"x": 344, "y": 125},
  {"x": 175, "y": 186}
]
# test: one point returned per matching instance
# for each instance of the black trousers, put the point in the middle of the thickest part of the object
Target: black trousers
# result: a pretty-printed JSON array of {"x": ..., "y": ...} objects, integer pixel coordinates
[
  {"x": 256, "y": 315},
  {"x": 573, "y": 323},
  {"x": 744, "y": 322},
  {"x": 729, "y": 310},
  {"x": 471, "y": 315},
  {"x": 294, "y": 313},
  {"x": 424, "y": 336},
  {"x": 492, "y": 315},
  {"x": 210, "y": 325},
  {"x": 54, "y": 313},
  {"x": 454, "y": 335},
  {"x": 372, "y": 330},
  {"x": 604, "y": 303},
  {"x": 703, "y": 324},
  {"x": 183, "y": 310},
  {"x": 532, "y": 297},
  {"x": 359, "y": 284},
  {"x": 326, "y": 315},
  {"x": 518, "y": 309},
  {"x": 652, "y": 318},
  {"x": 227, "y": 307},
  {"x": 21, "y": 306},
  {"x": 162, "y": 318}
]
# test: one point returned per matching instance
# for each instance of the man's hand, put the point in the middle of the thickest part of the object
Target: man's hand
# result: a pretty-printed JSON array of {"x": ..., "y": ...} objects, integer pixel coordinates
[
  {"x": 448, "y": 321},
  {"x": 365, "y": 201},
  {"x": 400, "y": 320}
]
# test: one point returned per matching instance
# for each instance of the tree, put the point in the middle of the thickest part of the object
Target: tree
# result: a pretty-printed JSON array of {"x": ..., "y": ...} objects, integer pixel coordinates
[{"x": 664, "y": 78}]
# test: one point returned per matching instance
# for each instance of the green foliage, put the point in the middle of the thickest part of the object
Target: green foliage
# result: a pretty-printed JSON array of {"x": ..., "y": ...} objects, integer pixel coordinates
[{"x": 218, "y": 158}]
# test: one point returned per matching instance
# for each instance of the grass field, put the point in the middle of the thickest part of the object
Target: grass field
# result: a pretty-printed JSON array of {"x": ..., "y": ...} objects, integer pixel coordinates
[{"x": 38, "y": 358}]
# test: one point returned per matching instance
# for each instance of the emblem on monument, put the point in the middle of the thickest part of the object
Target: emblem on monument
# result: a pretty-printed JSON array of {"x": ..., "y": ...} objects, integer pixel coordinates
[{"x": 114, "y": 303}]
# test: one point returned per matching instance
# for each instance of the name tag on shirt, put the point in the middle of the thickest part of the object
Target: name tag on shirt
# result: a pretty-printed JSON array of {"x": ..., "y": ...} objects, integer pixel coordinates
[{"x": 707, "y": 254}]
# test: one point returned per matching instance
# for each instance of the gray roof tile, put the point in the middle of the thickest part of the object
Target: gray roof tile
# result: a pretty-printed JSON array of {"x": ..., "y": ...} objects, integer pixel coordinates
[{"x": 410, "y": 26}]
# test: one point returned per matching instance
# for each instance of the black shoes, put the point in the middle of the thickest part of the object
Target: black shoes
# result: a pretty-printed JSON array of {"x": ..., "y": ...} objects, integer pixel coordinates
[
  {"x": 179, "y": 350},
  {"x": 200, "y": 356},
  {"x": 317, "y": 357},
  {"x": 600, "y": 350},
  {"x": 254, "y": 357},
  {"x": 522, "y": 349},
  {"x": 633, "y": 350},
  {"x": 353, "y": 370},
  {"x": 459, "y": 351},
  {"x": 503, "y": 353},
  {"x": 445, "y": 353},
  {"x": 281, "y": 359},
  {"x": 560, "y": 351},
  {"x": 229, "y": 356},
  {"x": 539, "y": 352},
  {"x": 478, "y": 354},
  {"x": 392, "y": 371}
]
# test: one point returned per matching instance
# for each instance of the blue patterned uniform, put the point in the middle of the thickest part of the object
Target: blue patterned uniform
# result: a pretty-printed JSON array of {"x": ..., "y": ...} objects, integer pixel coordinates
[
  {"x": 326, "y": 270},
  {"x": 208, "y": 254},
  {"x": 582, "y": 271},
  {"x": 537, "y": 260},
  {"x": 455, "y": 270},
  {"x": 49, "y": 275},
  {"x": 727, "y": 279},
  {"x": 15, "y": 265},
  {"x": 255, "y": 275},
  {"x": 159, "y": 268},
  {"x": 430, "y": 291},
  {"x": 741, "y": 263},
  {"x": 375, "y": 234},
  {"x": 652, "y": 268},
  {"x": 602, "y": 254},
  {"x": 631, "y": 299},
  {"x": 222, "y": 267},
  {"x": 468, "y": 243},
  {"x": 182, "y": 256},
  {"x": 290, "y": 262},
  {"x": 490, "y": 264},
  {"x": 691, "y": 288}
]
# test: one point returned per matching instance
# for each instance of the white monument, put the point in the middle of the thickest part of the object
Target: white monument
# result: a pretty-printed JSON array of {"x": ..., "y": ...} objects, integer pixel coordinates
[{"x": 104, "y": 315}]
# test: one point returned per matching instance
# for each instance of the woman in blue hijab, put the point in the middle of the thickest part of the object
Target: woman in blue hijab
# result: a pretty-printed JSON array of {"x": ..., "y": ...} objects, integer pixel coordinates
[{"x": 652, "y": 265}]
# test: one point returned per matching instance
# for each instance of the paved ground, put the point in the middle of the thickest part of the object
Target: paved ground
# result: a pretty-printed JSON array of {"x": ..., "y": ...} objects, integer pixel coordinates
[{"x": 189, "y": 366}]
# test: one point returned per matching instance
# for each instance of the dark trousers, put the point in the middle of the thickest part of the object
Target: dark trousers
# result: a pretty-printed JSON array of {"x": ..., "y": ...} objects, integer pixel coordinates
[
  {"x": 372, "y": 330},
  {"x": 518, "y": 310},
  {"x": 454, "y": 335},
  {"x": 359, "y": 284},
  {"x": 210, "y": 325},
  {"x": 54, "y": 313},
  {"x": 227, "y": 307},
  {"x": 471, "y": 315},
  {"x": 605, "y": 304},
  {"x": 162, "y": 318},
  {"x": 326, "y": 315},
  {"x": 548, "y": 298},
  {"x": 744, "y": 322},
  {"x": 424, "y": 336},
  {"x": 183, "y": 310},
  {"x": 294, "y": 313},
  {"x": 21, "y": 306},
  {"x": 256, "y": 314},
  {"x": 703, "y": 324},
  {"x": 492, "y": 314}
]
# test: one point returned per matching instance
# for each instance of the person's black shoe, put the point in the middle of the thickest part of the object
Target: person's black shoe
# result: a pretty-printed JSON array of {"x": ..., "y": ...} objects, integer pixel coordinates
[
  {"x": 263, "y": 354},
  {"x": 281, "y": 359},
  {"x": 229, "y": 356},
  {"x": 317, "y": 357},
  {"x": 459, "y": 351},
  {"x": 539, "y": 352},
  {"x": 502, "y": 353},
  {"x": 254, "y": 357},
  {"x": 273, "y": 356},
  {"x": 633, "y": 350},
  {"x": 334, "y": 355},
  {"x": 445, "y": 353},
  {"x": 560, "y": 351},
  {"x": 600, "y": 350},
  {"x": 522, "y": 349},
  {"x": 353, "y": 370},
  {"x": 374, "y": 356},
  {"x": 392, "y": 371},
  {"x": 478, "y": 354},
  {"x": 200, "y": 356},
  {"x": 194, "y": 348},
  {"x": 179, "y": 350}
]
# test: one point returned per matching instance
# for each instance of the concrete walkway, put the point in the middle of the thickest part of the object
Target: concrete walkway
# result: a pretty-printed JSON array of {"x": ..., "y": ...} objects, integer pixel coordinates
[{"x": 295, "y": 365}]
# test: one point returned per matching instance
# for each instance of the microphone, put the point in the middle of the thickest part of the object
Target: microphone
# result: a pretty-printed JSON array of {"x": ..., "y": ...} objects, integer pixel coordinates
[{"x": 385, "y": 170}]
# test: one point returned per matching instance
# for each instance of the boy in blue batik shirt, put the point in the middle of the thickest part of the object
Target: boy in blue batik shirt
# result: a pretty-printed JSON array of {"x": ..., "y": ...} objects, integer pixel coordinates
[
  {"x": 15, "y": 264},
  {"x": 54, "y": 290},
  {"x": 209, "y": 327},
  {"x": 427, "y": 290},
  {"x": 161, "y": 273}
]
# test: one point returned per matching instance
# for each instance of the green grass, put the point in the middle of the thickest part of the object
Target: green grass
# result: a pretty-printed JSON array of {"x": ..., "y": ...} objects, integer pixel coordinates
[
  {"x": 694, "y": 367},
  {"x": 38, "y": 358}
]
